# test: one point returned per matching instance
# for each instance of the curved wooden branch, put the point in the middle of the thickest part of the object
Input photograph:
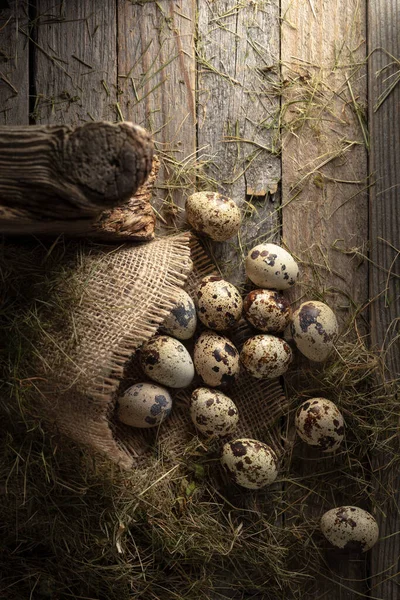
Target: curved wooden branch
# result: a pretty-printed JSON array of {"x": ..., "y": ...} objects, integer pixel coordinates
[{"x": 59, "y": 179}]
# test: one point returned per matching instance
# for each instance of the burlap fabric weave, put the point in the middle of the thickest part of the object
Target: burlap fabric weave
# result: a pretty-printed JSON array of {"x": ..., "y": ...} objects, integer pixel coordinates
[{"x": 114, "y": 301}]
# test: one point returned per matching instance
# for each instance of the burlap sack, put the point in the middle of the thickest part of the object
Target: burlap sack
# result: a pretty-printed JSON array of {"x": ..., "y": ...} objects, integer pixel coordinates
[
  {"x": 108, "y": 302},
  {"x": 261, "y": 403},
  {"x": 116, "y": 298}
]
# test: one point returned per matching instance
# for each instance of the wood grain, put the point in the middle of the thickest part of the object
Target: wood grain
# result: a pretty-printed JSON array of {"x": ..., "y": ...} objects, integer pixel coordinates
[
  {"x": 325, "y": 212},
  {"x": 156, "y": 78},
  {"x": 75, "y": 62},
  {"x": 238, "y": 129},
  {"x": 14, "y": 66},
  {"x": 384, "y": 103}
]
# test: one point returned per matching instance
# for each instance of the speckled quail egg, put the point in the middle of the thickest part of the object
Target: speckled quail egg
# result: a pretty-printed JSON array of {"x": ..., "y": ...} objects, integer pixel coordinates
[
  {"x": 267, "y": 310},
  {"x": 213, "y": 214},
  {"x": 144, "y": 405},
  {"x": 270, "y": 266},
  {"x": 219, "y": 303},
  {"x": 212, "y": 412},
  {"x": 266, "y": 356},
  {"x": 250, "y": 463},
  {"x": 314, "y": 329},
  {"x": 350, "y": 527},
  {"x": 167, "y": 361},
  {"x": 216, "y": 359},
  {"x": 182, "y": 320},
  {"x": 320, "y": 423}
]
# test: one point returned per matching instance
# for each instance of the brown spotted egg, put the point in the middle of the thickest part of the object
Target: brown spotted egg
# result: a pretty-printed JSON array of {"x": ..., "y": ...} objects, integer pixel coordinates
[
  {"x": 212, "y": 412},
  {"x": 219, "y": 303},
  {"x": 167, "y": 361},
  {"x": 182, "y": 320},
  {"x": 350, "y": 527},
  {"x": 267, "y": 310},
  {"x": 250, "y": 463},
  {"x": 314, "y": 329},
  {"x": 144, "y": 405},
  {"x": 213, "y": 214},
  {"x": 270, "y": 266},
  {"x": 216, "y": 359},
  {"x": 320, "y": 423},
  {"x": 266, "y": 356}
]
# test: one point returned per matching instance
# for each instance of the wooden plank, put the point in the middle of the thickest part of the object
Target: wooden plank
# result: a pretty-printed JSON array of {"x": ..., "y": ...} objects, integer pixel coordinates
[
  {"x": 384, "y": 102},
  {"x": 238, "y": 71},
  {"x": 325, "y": 219},
  {"x": 75, "y": 62},
  {"x": 14, "y": 66},
  {"x": 156, "y": 75}
]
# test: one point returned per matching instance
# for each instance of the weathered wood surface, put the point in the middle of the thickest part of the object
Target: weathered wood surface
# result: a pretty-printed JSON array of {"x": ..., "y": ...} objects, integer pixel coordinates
[
  {"x": 384, "y": 107},
  {"x": 60, "y": 177},
  {"x": 14, "y": 66},
  {"x": 325, "y": 214},
  {"x": 238, "y": 72},
  {"x": 156, "y": 83},
  {"x": 75, "y": 58}
]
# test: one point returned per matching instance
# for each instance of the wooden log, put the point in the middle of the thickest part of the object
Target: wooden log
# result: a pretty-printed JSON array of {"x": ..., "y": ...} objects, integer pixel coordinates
[
  {"x": 58, "y": 178},
  {"x": 325, "y": 222},
  {"x": 384, "y": 277}
]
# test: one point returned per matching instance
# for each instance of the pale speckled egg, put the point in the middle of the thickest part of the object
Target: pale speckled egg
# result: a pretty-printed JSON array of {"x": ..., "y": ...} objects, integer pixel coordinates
[
  {"x": 267, "y": 310},
  {"x": 216, "y": 359},
  {"x": 213, "y": 413},
  {"x": 270, "y": 266},
  {"x": 219, "y": 303},
  {"x": 250, "y": 463},
  {"x": 314, "y": 329},
  {"x": 350, "y": 527},
  {"x": 166, "y": 360},
  {"x": 266, "y": 356},
  {"x": 213, "y": 215},
  {"x": 182, "y": 320},
  {"x": 320, "y": 423},
  {"x": 144, "y": 405}
]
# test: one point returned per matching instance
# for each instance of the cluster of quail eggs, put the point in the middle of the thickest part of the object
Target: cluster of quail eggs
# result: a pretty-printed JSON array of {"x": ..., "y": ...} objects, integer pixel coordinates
[{"x": 218, "y": 305}]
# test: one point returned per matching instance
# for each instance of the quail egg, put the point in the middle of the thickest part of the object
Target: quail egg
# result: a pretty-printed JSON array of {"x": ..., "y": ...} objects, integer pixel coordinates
[
  {"x": 167, "y": 361},
  {"x": 350, "y": 527},
  {"x": 267, "y": 310},
  {"x": 270, "y": 266},
  {"x": 314, "y": 329},
  {"x": 213, "y": 214},
  {"x": 266, "y": 356},
  {"x": 219, "y": 304},
  {"x": 320, "y": 423},
  {"x": 212, "y": 412},
  {"x": 216, "y": 359},
  {"x": 182, "y": 320},
  {"x": 250, "y": 463},
  {"x": 144, "y": 405}
]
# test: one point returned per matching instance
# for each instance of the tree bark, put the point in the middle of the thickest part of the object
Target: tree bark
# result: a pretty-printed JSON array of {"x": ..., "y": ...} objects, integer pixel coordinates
[{"x": 59, "y": 179}]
